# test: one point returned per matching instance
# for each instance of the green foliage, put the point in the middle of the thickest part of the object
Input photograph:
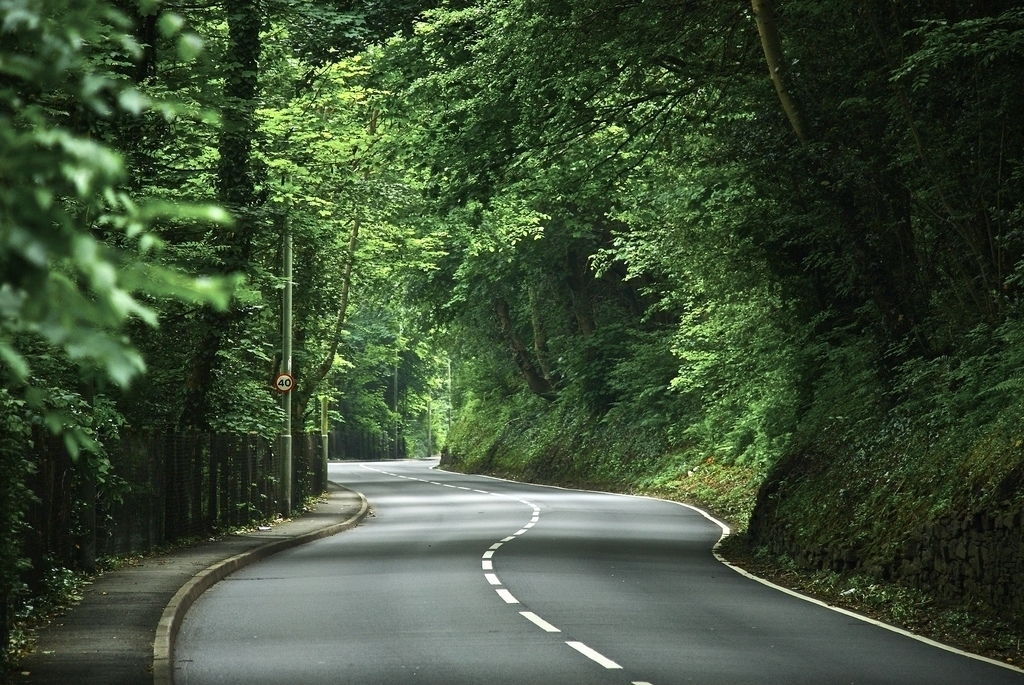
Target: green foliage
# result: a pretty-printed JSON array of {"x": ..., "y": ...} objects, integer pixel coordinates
[
  {"x": 62, "y": 282},
  {"x": 525, "y": 439},
  {"x": 596, "y": 209},
  {"x": 950, "y": 448},
  {"x": 79, "y": 260},
  {"x": 985, "y": 41},
  {"x": 15, "y": 498}
]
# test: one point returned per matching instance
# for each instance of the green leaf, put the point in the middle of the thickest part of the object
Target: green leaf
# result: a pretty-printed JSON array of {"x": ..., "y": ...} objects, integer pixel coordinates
[
  {"x": 190, "y": 45},
  {"x": 170, "y": 23},
  {"x": 14, "y": 361},
  {"x": 133, "y": 101}
]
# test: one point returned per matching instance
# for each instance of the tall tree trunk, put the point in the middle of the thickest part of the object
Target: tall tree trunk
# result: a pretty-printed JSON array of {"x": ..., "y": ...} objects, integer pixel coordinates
[
  {"x": 579, "y": 291},
  {"x": 540, "y": 338},
  {"x": 885, "y": 266},
  {"x": 311, "y": 382},
  {"x": 536, "y": 382},
  {"x": 236, "y": 190},
  {"x": 146, "y": 35},
  {"x": 771, "y": 43}
]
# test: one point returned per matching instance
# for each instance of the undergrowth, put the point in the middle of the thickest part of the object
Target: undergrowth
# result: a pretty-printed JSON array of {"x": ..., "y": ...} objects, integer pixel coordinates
[{"x": 563, "y": 446}]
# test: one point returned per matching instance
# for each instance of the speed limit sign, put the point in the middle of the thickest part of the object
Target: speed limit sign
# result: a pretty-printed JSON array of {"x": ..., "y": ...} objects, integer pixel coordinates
[{"x": 283, "y": 382}]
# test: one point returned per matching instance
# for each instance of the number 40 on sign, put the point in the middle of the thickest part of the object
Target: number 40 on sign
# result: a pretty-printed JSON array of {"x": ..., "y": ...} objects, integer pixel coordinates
[{"x": 283, "y": 382}]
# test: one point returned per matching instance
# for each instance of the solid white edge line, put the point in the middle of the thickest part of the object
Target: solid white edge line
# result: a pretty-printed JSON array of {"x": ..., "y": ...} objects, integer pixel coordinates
[
  {"x": 865, "y": 619},
  {"x": 492, "y": 579},
  {"x": 507, "y": 596},
  {"x": 726, "y": 531},
  {"x": 593, "y": 655},
  {"x": 539, "y": 622}
]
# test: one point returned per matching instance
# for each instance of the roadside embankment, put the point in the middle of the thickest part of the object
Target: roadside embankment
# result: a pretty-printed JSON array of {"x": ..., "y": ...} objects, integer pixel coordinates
[
  {"x": 921, "y": 530},
  {"x": 927, "y": 529}
]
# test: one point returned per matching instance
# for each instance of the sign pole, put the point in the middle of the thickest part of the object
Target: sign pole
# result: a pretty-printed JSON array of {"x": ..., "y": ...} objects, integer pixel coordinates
[
  {"x": 286, "y": 359},
  {"x": 323, "y": 437}
]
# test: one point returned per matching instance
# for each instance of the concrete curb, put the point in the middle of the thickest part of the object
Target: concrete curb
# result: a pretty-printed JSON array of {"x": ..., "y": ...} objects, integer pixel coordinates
[{"x": 174, "y": 612}]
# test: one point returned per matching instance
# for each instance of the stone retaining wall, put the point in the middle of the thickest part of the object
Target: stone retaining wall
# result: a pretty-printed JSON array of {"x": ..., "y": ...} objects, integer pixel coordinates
[
  {"x": 978, "y": 557},
  {"x": 974, "y": 558}
]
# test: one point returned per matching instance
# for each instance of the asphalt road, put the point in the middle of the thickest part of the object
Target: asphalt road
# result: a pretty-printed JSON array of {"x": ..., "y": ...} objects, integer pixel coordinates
[{"x": 465, "y": 580}]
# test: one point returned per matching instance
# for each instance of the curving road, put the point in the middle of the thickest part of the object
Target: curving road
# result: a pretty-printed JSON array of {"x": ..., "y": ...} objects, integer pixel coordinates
[{"x": 463, "y": 580}]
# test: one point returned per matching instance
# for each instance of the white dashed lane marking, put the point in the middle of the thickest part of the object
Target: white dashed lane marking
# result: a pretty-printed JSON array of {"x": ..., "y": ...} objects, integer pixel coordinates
[
  {"x": 593, "y": 655},
  {"x": 538, "y": 621},
  {"x": 487, "y": 565},
  {"x": 507, "y": 596}
]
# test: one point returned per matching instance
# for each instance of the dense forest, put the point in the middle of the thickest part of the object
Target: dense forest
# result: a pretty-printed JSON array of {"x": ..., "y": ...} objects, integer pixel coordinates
[{"x": 765, "y": 255}]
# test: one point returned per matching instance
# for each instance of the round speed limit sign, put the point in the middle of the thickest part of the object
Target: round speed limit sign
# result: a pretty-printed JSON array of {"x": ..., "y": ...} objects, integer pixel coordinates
[{"x": 283, "y": 382}]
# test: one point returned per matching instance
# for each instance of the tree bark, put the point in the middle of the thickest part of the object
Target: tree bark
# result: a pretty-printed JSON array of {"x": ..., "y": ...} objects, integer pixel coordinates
[
  {"x": 310, "y": 384},
  {"x": 771, "y": 43},
  {"x": 540, "y": 338},
  {"x": 579, "y": 291},
  {"x": 536, "y": 382}
]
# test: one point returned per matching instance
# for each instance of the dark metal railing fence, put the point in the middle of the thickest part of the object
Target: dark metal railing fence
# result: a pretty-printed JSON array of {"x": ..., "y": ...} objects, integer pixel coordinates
[
  {"x": 164, "y": 486},
  {"x": 364, "y": 445}
]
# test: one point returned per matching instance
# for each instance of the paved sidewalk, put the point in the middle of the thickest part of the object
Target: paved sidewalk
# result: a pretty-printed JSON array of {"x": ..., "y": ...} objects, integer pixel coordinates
[{"x": 122, "y": 632}]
